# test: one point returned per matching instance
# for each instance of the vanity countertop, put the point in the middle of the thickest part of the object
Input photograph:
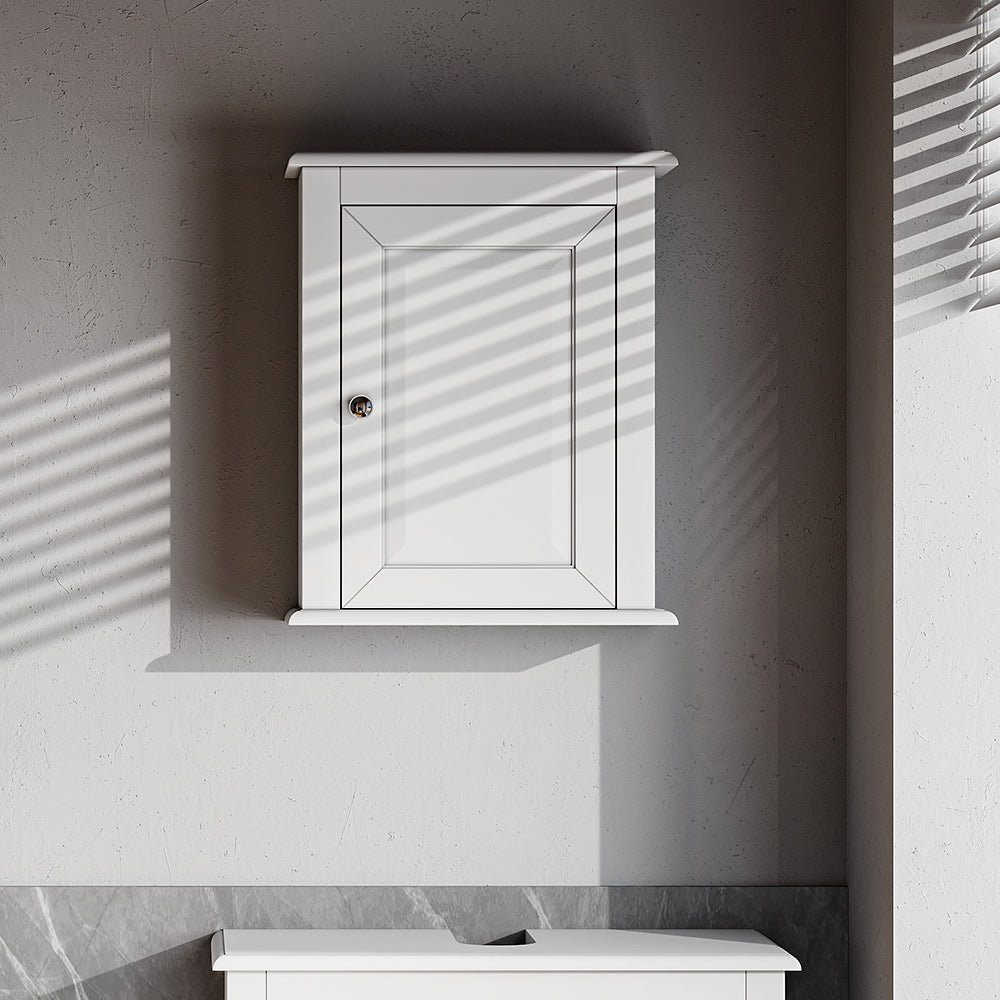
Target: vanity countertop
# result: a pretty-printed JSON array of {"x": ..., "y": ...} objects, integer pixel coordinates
[{"x": 551, "y": 951}]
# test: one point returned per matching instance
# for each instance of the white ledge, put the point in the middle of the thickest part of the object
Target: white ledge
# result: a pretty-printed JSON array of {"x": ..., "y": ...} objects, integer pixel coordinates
[
  {"x": 657, "y": 158},
  {"x": 501, "y": 616},
  {"x": 551, "y": 951}
]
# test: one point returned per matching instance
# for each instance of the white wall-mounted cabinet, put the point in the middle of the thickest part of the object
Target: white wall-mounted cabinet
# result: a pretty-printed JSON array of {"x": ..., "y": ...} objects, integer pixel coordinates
[{"x": 477, "y": 420}]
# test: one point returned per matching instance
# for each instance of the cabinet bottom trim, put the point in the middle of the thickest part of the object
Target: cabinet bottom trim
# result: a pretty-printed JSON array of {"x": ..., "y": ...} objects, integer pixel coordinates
[{"x": 462, "y": 616}]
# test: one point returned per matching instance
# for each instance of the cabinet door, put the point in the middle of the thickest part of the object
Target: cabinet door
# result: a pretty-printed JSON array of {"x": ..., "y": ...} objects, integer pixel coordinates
[{"x": 485, "y": 475}]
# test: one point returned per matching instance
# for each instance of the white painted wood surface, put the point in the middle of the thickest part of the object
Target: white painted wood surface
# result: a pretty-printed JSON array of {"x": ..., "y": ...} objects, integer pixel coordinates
[
  {"x": 246, "y": 986},
  {"x": 506, "y": 986},
  {"x": 590, "y": 950},
  {"x": 319, "y": 389},
  {"x": 486, "y": 338},
  {"x": 765, "y": 986},
  {"x": 552, "y": 965},
  {"x": 490, "y": 185},
  {"x": 575, "y": 617},
  {"x": 659, "y": 160},
  {"x": 635, "y": 402},
  {"x": 508, "y": 348}
]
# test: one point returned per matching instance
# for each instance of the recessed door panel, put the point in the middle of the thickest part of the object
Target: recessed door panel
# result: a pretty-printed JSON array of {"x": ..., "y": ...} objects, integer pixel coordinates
[
  {"x": 478, "y": 407},
  {"x": 485, "y": 474}
]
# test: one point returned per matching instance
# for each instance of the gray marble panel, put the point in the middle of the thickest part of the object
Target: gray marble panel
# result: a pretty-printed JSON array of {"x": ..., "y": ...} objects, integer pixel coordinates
[{"x": 132, "y": 942}]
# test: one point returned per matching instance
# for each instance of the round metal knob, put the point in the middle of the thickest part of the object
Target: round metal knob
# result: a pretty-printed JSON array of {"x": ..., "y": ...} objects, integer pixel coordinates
[{"x": 360, "y": 406}]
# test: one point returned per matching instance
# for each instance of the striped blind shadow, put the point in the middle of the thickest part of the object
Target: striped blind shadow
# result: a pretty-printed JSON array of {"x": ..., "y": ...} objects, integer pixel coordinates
[
  {"x": 85, "y": 467},
  {"x": 946, "y": 171}
]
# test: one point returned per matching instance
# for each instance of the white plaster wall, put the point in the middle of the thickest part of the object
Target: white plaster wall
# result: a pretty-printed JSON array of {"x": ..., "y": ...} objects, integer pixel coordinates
[
  {"x": 946, "y": 374},
  {"x": 159, "y": 723},
  {"x": 947, "y": 694}
]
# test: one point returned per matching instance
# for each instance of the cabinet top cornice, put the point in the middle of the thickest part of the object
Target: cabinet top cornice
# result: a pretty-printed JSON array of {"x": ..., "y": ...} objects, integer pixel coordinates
[{"x": 656, "y": 158}]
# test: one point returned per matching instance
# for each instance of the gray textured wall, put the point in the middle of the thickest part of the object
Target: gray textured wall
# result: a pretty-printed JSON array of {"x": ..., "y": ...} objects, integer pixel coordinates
[
  {"x": 161, "y": 724},
  {"x": 870, "y": 701}
]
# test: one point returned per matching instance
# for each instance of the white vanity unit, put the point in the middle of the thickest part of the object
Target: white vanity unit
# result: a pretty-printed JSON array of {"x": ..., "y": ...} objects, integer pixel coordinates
[
  {"x": 549, "y": 965},
  {"x": 477, "y": 371}
]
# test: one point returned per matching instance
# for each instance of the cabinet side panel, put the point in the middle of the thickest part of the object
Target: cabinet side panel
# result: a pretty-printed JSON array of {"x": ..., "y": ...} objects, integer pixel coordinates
[
  {"x": 636, "y": 460},
  {"x": 319, "y": 388}
]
